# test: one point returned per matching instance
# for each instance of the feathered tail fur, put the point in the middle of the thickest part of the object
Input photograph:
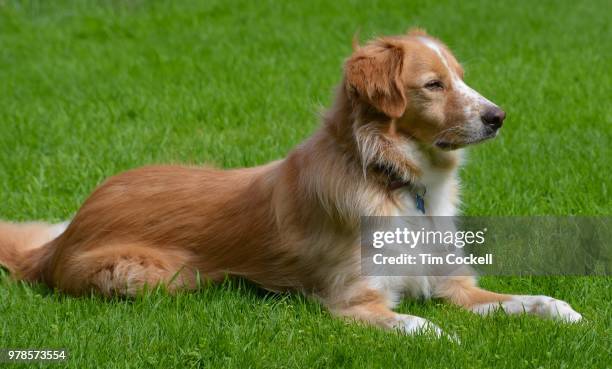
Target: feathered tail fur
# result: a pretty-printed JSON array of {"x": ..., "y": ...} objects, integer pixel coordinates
[{"x": 25, "y": 247}]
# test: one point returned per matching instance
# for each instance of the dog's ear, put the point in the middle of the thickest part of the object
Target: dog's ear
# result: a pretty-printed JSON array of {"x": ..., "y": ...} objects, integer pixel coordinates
[{"x": 373, "y": 73}]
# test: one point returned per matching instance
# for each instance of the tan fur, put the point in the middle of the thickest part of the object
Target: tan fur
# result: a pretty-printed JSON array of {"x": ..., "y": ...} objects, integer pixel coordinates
[
  {"x": 463, "y": 291},
  {"x": 19, "y": 241},
  {"x": 291, "y": 224}
]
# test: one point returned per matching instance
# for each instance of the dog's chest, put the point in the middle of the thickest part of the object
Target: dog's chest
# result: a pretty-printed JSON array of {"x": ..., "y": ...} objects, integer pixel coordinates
[
  {"x": 437, "y": 195},
  {"x": 440, "y": 199}
]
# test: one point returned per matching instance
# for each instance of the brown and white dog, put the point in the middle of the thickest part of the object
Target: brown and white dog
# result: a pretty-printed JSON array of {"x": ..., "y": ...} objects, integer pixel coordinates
[{"x": 400, "y": 115}]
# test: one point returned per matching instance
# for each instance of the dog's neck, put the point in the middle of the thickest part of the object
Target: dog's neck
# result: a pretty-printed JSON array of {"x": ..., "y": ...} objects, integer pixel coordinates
[{"x": 390, "y": 159}]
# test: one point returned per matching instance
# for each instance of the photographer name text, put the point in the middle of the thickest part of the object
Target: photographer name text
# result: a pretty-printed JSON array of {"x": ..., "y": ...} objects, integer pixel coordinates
[{"x": 430, "y": 259}]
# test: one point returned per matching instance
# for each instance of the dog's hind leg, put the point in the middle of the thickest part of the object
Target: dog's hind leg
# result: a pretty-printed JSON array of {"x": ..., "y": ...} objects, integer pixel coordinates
[
  {"x": 125, "y": 270},
  {"x": 464, "y": 292}
]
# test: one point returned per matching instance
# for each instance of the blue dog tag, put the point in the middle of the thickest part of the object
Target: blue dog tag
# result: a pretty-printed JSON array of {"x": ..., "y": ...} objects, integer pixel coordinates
[{"x": 420, "y": 203}]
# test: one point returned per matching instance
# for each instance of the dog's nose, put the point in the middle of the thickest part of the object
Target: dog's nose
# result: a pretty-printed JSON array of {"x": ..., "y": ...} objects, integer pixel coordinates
[{"x": 493, "y": 117}]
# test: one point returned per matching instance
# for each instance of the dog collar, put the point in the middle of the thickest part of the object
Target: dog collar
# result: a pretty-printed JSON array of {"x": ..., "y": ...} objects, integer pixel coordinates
[
  {"x": 395, "y": 182},
  {"x": 417, "y": 191}
]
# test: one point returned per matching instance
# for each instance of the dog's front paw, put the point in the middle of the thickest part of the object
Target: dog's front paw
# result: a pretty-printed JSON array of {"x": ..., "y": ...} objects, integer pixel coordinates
[
  {"x": 558, "y": 309},
  {"x": 548, "y": 307},
  {"x": 410, "y": 325},
  {"x": 543, "y": 306}
]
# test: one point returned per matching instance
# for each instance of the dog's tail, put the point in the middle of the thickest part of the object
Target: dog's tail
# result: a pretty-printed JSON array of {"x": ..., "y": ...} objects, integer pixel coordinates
[{"x": 25, "y": 248}]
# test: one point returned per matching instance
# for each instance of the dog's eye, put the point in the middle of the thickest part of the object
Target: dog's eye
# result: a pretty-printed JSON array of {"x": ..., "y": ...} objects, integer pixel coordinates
[{"x": 434, "y": 85}]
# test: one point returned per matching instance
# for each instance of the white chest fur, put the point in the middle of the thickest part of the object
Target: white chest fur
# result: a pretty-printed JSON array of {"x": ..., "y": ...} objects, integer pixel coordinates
[{"x": 440, "y": 199}]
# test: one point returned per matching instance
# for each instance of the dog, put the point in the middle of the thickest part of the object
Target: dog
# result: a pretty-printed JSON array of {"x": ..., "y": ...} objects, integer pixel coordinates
[{"x": 401, "y": 117}]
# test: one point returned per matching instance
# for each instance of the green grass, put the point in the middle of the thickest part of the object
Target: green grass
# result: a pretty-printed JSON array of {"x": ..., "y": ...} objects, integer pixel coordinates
[{"x": 91, "y": 88}]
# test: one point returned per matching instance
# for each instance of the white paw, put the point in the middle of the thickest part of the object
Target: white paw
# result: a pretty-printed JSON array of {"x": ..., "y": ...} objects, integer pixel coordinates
[
  {"x": 559, "y": 310},
  {"x": 411, "y": 325},
  {"x": 544, "y": 306}
]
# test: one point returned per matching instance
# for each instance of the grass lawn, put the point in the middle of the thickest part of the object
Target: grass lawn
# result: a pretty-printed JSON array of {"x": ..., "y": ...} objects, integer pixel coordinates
[{"x": 91, "y": 88}]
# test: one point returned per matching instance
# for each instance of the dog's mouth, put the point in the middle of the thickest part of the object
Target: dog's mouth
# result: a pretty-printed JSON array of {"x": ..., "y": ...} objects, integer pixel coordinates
[
  {"x": 448, "y": 146},
  {"x": 454, "y": 145}
]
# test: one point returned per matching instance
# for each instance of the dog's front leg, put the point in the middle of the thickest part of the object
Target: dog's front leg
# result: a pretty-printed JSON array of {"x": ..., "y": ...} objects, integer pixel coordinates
[
  {"x": 464, "y": 292},
  {"x": 369, "y": 306}
]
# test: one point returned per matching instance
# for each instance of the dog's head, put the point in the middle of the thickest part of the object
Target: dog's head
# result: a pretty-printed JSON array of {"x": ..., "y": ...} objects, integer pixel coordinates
[{"x": 415, "y": 81}]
